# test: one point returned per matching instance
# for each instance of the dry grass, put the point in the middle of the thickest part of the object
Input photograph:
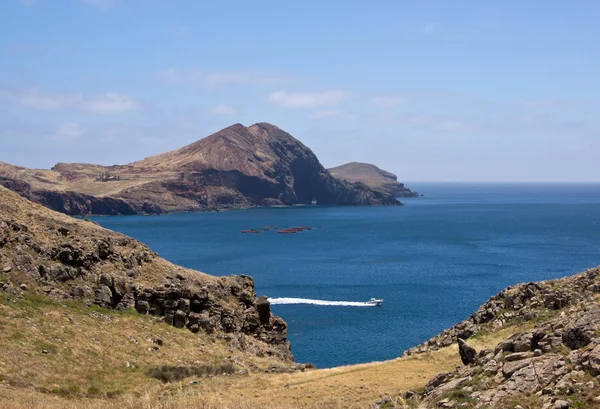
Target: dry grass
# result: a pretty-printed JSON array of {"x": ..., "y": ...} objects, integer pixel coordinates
[
  {"x": 43, "y": 225},
  {"x": 90, "y": 349},
  {"x": 70, "y": 350}
]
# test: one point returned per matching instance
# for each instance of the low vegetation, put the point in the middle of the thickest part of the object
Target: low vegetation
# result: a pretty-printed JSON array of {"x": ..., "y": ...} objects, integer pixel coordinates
[
  {"x": 64, "y": 354},
  {"x": 168, "y": 373}
]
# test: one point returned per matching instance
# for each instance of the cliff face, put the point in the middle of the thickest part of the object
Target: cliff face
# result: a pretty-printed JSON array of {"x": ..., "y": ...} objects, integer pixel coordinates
[
  {"x": 237, "y": 167},
  {"x": 50, "y": 254},
  {"x": 71, "y": 203},
  {"x": 372, "y": 176}
]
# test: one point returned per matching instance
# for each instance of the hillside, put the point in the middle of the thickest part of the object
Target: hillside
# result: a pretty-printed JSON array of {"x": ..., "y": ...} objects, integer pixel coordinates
[
  {"x": 44, "y": 253},
  {"x": 237, "y": 167},
  {"x": 90, "y": 318},
  {"x": 373, "y": 177}
]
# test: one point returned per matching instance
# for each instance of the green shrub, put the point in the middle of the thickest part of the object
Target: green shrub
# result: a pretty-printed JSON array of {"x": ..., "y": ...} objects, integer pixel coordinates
[{"x": 167, "y": 373}]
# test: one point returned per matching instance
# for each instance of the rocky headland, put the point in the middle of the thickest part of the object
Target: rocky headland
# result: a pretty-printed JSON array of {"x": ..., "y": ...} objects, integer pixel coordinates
[
  {"x": 373, "y": 177},
  {"x": 237, "y": 167}
]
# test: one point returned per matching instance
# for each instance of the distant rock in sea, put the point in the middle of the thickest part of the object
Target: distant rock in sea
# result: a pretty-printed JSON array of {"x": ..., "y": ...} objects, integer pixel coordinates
[{"x": 372, "y": 176}]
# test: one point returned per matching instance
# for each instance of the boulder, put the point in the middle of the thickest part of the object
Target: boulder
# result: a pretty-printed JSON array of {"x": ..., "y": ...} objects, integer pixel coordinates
[
  {"x": 467, "y": 353},
  {"x": 103, "y": 296},
  {"x": 263, "y": 306}
]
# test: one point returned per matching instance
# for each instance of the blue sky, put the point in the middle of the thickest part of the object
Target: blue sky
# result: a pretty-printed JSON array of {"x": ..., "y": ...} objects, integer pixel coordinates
[{"x": 430, "y": 90}]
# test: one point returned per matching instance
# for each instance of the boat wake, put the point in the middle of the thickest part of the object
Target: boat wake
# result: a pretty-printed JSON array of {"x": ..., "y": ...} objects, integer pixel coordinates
[{"x": 283, "y": 300}]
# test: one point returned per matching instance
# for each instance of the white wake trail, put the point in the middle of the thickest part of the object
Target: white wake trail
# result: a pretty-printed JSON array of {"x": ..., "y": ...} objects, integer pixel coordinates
[{"x": 283, "y": 300}]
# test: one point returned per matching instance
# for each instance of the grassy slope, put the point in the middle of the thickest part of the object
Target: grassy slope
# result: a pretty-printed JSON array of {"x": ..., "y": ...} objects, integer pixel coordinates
[{"x": 90, "y": 348}]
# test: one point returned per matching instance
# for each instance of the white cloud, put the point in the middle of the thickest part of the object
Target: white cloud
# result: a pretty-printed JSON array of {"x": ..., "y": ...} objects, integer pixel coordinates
[
  {"x": 388, "y": 101},
  {"x": 429, "y": 29},
  {"x": 68, "y": 131},
  {"x": 108, "y": 103},
  {"x": 330, "y": 98},
  {"x": 35, "y": 98},
  {"x": 222, "y": 109},
  {"x": 219, "y": 78},
  {"x": 111, "y": 102}
]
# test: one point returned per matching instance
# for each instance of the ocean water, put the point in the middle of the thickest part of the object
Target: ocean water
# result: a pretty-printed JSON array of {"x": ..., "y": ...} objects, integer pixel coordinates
[{"x": 433, "y": 261}]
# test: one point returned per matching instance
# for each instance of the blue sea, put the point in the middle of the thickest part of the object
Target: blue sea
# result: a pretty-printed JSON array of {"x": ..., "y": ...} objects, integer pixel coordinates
[{"x": 433, "y": 261}]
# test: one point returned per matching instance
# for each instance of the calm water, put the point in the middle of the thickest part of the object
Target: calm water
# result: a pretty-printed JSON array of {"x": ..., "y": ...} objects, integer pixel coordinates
[{"x": 433, "y": 261}]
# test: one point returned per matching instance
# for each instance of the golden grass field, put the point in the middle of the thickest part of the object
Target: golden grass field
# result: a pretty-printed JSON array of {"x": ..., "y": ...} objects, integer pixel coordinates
[{"x": 99, "y": 358}]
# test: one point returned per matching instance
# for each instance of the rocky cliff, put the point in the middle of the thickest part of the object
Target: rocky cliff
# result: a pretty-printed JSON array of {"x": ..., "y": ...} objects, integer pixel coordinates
[
  {"x": 46, "y": 253},
  {"x": 372, "y": 176},
  {"x": 237, "y": 167}
]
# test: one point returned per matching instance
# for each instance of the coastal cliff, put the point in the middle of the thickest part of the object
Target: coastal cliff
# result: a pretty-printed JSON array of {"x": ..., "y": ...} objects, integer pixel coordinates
[
  {"x": 237, "y": 167},
  {"x": 372, "y": 176}
]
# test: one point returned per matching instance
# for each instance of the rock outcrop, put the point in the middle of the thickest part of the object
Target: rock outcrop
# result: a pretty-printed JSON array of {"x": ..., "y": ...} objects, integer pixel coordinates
[
  {"x": 44, "y": 252},
  {"x": 237, "y": 167},
  {"x": 520, "y": 303},
  {"x": 373, "y": 177},
  {"x": 552, "y": 359},
  {"x": 556, "y": 364}
]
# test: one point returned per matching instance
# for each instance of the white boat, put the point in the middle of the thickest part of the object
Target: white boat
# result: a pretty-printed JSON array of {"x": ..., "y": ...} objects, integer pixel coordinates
[{"x": 375, "y": 302}]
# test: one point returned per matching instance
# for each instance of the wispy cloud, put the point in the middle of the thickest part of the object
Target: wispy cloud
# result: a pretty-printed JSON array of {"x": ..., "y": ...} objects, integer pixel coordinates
[
  {"x": 108, "y": 103},
  {"x": 429, "y": 28},
  {"x": 111, "y": 102},
  {"x": 68, "y": 131},
  {"x": 35, "y": 98},
  {"x": 330, "y": 98},
  {"x": 388, "y": 101},
  {"x": 220, "y": 78},
  {"x": 222, "y": 109}
]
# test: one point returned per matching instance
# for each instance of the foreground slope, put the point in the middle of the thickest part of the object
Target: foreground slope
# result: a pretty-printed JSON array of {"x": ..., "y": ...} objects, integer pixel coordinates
[
  {"x": 90, "y": 318},
  {"x": 44, "y": 253},
  {"x": 372, "y": 176},
  {"x": 237, "y": 167}
]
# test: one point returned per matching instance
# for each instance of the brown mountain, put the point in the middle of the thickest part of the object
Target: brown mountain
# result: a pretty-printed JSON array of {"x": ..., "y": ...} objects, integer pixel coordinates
[
  {"x": 375, "y": 178},
  {"x": 237, "y": 167}
]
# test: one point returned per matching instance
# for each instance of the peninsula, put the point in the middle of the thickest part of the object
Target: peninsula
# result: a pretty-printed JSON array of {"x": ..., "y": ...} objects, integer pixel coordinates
[{"x": 237, "y": 167}]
